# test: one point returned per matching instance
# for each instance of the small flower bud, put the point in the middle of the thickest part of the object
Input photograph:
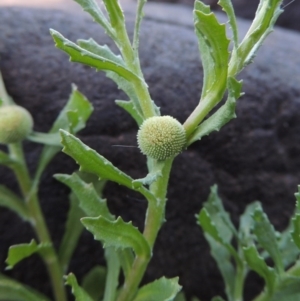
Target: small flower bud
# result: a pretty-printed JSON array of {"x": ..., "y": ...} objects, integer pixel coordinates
[
  {"x": 161, "y": 137},
  {"x": 15, "y": 124}
]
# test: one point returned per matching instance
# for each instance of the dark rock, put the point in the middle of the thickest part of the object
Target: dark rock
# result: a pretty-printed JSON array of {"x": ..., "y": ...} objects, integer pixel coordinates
[{"x": 254, "y": 157}]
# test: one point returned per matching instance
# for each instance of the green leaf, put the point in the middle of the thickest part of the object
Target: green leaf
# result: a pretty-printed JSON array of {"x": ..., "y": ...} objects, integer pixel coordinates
[
  {"x": 287, "y": 290},
  {"x": 94, "y": 282},
  {"x": 115, "y": 13},
  {"x": 228, "y": 9},
  {"x": 130, "y": 108},
  {"x": 45, "y": 138},
  {"x": 11, "y": 290},
  {"x": 80, "y": 55},
  {"x": 213, "y": 45},
  {"x": 117, "y": 234},
  {"x": 90, "y": 161},
  {"x": 266, "y": 236},
  {"x": 6, "y": 160},
  {"x": 11, "y": 201},
  {"x": 223, "y": 259},
  {"x": 222, "y": 116},
  {"x": 180, "y": 297},
  {"x": 73, "y": 118},
  {"x": 79, "y": 293},
  {"x": 218, "y": 216},
  {"x": 113, "y": 271},
  {"x": 91, "y": 7},
  {"x": 162, "y": 289},
  {"x": 19, "y": 252},
  {"x": 89, "y": 200},
  {"x": 257, "y": 264},
  {"x": 73, "y": 230},
  {"x": 296, "y": 230}
]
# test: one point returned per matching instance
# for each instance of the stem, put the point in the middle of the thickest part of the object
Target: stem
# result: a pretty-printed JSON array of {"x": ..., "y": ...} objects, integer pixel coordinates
[
  {"x": 3, "y": 93},
  {"x": 239, "y": 283},
  {"x": 37, "y": 221},
  {"x": 154, "y": 220}
]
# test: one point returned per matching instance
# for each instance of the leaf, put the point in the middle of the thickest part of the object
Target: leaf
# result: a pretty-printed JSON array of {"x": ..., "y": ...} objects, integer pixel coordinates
[
  {"x": 91, "y": 7},
  {"x": 11, "y": 290},
  {"x": 257, "y": 264},
  {"x": 45, "y": 138},
  {"x": 113, "y": 271},
  {"x": 73, "y": 230},
  {"x": 19, "y": 252},
  {"x": 180, "y": 297},
  {"x": 228, "y": 9},
  {"x": 130, "y": 108},
  {"x": 223, "y": 259},
  {"x": 79, "y": 293},
  {"x": 82, "y": 109},
  {"x": 11, "y": 201},
  {"x": 213, "y": 45},
  {"x": 222, "y": 116},
  {"x": 6, "y": 160},
  {"x": 94, "y": 282},
  {"x": 89, "y": 200},
  {"x": 80, "y": 55},
  {"x": 296, "y": 230},
  {"x": 287, "y": 290},
  {"x": 115, "y": 13},
  {"x": 266, "y": 237},
  {"x": 90, "y": 161},
  {"x": 117, "y": 234},
  {"x": 162, "y": 289}
]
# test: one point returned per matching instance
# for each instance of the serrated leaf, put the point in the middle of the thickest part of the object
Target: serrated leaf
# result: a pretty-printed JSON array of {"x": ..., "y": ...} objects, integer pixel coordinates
[
  {"x": 229, "y": 10},
  {"x": 104, "y": 51},
  {"x": 91, "y": 7},
  {"x": 287, "y": 290},
  {"x": 257, "y": 264},
  {"x": 213, "y": 45},
  {"x": 223, "y": 259},
  {"x": 162, "y": 289},
  {"x": 82, "y": 108},
  {"x": 11, "y": 290},
  {"x": 79, "y": 293},
  {"x": 115, "y": 13},
  {"x": 94, "y": 282},
  {"x": 19, "y": 252},
  {"x": 130, "y": 108},
  {"x": 266, "y": 237},
  {"x": 117, "y": 234},
  {"x": 222, "y": 116},
  {"x": 80, "y": 55},
  {"x": 11, "y": 201},
  {"x": 296, "y": 230},
  {"x": 90, "y": 161},
  {"x": 89, "y": 200},
  {"x": 73, "y": 230}
]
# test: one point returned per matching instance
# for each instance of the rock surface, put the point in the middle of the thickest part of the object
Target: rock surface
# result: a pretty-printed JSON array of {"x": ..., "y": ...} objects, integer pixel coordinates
[{"x": 255, "y": 157}]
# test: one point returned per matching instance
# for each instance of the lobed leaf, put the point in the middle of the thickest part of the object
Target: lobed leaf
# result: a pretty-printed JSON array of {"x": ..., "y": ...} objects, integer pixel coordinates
[
  {"x": 266, "y": 236},
  {"x": 81, "y": 55},
  {"x": 222, "y": 116},
  {"x": 117, "y": 234},
  {"x": 11, "y": 201},
  {"x": 73, "y": 230},
  {"x": 257, "y": 264},
  {"x": 162, "y": 289},
  {"x": 19, "y": 252},
  {"x": 89, "y": 200},
  {"x": 11, "y": 290},
  {"x": 79, "y": 293}
]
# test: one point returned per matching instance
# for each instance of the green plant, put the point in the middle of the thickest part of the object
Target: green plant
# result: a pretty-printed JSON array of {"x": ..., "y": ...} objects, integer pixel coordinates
[{"x": 161, "y": 139}]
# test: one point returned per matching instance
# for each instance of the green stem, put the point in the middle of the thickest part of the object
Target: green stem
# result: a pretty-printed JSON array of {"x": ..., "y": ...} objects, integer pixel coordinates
[
  {"x": 239, "y": 283},
  {"x": 154, "y": 220},
  {"x": 37, "y": 220},
  {"x": 3, "y": 93}
]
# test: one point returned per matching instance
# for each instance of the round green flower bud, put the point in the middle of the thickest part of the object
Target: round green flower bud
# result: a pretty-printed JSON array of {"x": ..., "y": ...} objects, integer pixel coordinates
[
  {"x": 161, "y": 137},
  {"x": 15, "y": 124}
]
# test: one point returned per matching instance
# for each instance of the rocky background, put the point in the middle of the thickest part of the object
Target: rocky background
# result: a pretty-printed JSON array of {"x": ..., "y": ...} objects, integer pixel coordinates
[{"x": 255, "y": 157}]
